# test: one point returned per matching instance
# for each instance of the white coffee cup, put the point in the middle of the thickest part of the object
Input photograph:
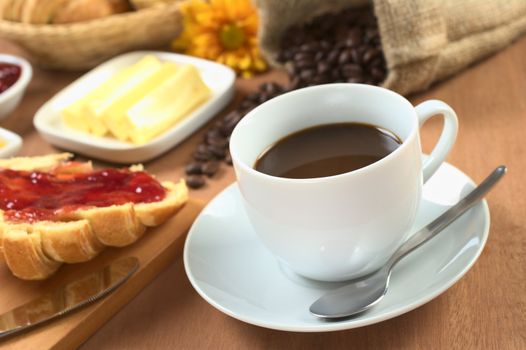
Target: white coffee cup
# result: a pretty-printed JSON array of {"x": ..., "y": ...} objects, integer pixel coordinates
[{"x": 345, "y": 226}]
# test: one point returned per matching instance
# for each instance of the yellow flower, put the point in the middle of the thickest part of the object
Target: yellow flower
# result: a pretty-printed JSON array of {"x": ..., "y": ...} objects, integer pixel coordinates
[{"x": 224, "y": 31}]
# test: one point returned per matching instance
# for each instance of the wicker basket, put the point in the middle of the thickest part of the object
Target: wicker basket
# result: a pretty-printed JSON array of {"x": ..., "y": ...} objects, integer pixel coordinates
[{"x": 84, "y": 45}]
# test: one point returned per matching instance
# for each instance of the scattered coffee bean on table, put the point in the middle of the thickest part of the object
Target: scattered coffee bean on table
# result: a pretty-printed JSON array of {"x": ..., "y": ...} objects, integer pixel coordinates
[
  {"x": 336, "y": 47},
  {"x": 195, "y": 181},
  {"x": 214, "y": 147},
  {"x": 210, "y": 168},
  {"x": 194, "y": 168}
]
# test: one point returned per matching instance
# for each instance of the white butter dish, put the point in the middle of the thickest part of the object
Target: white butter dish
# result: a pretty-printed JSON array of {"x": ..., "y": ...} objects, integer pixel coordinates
[{"x": 219, "y": 78}]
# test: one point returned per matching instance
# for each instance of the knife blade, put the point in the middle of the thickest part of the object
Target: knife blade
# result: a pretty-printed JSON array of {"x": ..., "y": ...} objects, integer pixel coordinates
[{"x": 69, "y": 297}]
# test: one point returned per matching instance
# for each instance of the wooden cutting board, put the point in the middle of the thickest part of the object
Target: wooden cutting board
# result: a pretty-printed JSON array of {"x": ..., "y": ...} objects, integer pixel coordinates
[{"x": 155, "y": 250}]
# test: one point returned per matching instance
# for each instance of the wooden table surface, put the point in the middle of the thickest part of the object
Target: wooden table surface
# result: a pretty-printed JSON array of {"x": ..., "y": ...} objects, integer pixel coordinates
[{"x": 485, "y": 310}]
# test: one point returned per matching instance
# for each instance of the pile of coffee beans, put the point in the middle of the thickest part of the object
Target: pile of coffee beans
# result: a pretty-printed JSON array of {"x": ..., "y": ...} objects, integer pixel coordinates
[
  {"x": 214, "y": 148},
  {"x": 337, "y": 47}
]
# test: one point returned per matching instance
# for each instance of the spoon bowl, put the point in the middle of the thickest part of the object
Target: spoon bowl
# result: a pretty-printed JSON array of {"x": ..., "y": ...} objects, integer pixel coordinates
[{"x": 364, "y": 292}]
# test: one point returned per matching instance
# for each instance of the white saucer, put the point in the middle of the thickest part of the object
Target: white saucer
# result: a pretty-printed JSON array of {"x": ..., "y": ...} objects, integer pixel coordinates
[{"x": 233, "y": 271}]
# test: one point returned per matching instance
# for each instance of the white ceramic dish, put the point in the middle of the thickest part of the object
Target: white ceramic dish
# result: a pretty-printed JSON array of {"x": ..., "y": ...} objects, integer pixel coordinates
[
  {"x": 48, "y": 122},
  {"x": 13, "y": 143},
  {"x": 10, "y": 98},
  {"x": 234, "y": 272}
]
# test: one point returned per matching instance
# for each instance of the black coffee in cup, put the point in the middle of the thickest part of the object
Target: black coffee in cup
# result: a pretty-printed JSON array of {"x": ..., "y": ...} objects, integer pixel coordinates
[{"x": 327, "y": 150}]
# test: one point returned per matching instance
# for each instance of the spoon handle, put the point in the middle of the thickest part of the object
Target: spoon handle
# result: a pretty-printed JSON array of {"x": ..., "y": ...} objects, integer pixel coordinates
[{"x": 449, "y": 216}]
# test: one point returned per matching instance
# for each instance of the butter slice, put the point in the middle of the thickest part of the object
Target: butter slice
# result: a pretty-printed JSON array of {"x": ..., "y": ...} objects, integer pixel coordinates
[
  {"x": 75, "y": 115},
  {"x": 117, "y": 86},
  {"x": 114, "y": 114},
  {"x": 166, "y": 105},
  {"x": 82, "y": 114}
]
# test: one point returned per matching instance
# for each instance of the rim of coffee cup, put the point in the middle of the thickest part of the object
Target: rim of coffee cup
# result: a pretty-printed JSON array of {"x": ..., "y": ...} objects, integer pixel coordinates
[{"x": 246, "y": 119}]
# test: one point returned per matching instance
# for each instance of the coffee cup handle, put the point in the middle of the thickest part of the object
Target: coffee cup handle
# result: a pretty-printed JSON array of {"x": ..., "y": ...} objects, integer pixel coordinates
[{"x": 426, "y": 110}]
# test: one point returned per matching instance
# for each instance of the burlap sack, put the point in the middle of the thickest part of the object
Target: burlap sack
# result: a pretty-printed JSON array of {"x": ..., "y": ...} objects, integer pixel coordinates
[{"x": 423, "y": 40}]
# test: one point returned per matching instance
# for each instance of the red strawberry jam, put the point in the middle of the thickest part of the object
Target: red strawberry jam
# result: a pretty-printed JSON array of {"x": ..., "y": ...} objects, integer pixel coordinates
[
  {"x": 28, "y": 196},
  {"x": 9, "y": 74}
]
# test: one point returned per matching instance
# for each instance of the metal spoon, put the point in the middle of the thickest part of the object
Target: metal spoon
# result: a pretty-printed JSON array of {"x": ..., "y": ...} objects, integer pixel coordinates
[{"x": 362, "y": 294}]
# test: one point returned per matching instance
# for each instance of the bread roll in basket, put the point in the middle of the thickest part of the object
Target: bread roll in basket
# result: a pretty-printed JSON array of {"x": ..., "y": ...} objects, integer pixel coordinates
[{"x": 67, "y": 44}]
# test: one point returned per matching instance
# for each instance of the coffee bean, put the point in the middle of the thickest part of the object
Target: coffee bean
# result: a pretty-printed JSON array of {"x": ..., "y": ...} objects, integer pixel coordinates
[
  {"x": 219, "y": 141},
  {"x": 319, "y": 79},
  {"x": 202, "y": 156},
  {"x": 270, "y": 88},
  {"x": 377, "y": 62},
  {"x": 217, "y": 124},
  {"x": 354, "y": 38},
  {"x": 201, "y": 148},
  {"x": 332, "y": 57},
  {"x": 301, "y": 56},
  {"x": 246, "y": 104},
  {"x": 230, "y": 122},
  {"x": 351, "y": 70},
  {"x": 234, "y": 116},
  {"x": 370, "y": 54},
  {"x": 202, "y": 153},
  {"x": 263, "y": 97},
  {"x": 302, "y": 64},
  {"x": 213, "y": 133},
  {"x": 371, "y": 33},
  {"x": 323, "y": 68},
  {"x": 377, "y": 74},
  {"x": 345, "y": 57},
  {"x": 356, "y": 56},
  {"x": 335, "y": 75},
  {"x": 319, "y": 56},
  {"x": 307, "y": 48},
  {"x": 315, "y": 45},
  {"x": 295, "y": 82},
  {"x": 193, "y": 168},
  {"x": 195, "y": 181},
  {"x": 324, "y": 44},
  {"x": 291, "y": 68},
  {"x": 217, "y": 151},
  {"x": 307, "y": 74},
  {"x": 210, "y": 168},
  {"x": 254, "y": 97}
]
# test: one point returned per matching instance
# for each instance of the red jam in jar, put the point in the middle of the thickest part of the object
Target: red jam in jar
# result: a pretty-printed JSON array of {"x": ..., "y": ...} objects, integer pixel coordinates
[
  {"x": 9, "y": 74},
  {"x": 28, "y": 196}
]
